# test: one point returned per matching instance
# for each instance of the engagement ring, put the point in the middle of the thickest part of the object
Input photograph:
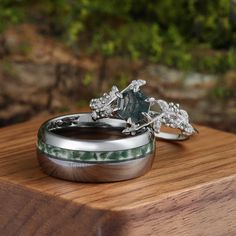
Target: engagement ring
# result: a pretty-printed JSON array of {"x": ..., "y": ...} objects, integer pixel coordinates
[{"x": 133, "y": 106}]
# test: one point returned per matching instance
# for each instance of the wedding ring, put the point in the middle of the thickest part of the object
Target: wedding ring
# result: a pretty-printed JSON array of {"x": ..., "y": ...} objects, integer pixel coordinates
[
  {"x": 133, "y": 106},
  {"x": 78, "y": 148}
]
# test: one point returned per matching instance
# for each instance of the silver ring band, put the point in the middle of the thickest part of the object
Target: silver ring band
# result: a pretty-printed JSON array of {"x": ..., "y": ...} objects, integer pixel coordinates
[
  {"x": 93, "y": 160},
  {"x": 95, "y": 172},
  {"x": 85, "y": 120}
]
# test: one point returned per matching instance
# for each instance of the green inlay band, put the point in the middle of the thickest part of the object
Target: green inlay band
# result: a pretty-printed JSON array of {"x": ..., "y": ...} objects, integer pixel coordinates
[{"x": 75, "y": 155}]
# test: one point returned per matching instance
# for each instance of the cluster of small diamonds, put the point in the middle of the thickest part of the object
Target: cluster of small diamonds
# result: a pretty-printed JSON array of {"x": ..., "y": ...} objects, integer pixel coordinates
[
  {"x": 136, "y": 84},
  {"x": 171, "y": 115},
  {"x": 104, "y": 106},
  {"x": 174, "y": 117}
]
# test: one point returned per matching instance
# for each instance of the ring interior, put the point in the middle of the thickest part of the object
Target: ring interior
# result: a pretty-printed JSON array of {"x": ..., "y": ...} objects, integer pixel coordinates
[{"x": 90, "y": 132}]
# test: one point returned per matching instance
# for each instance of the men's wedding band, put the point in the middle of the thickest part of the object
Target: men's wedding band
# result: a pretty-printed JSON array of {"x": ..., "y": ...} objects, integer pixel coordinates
[{"x": 78, "y": 148}]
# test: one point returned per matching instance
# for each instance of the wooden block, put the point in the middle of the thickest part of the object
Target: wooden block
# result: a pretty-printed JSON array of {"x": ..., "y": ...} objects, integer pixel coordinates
[{"x": 191, "y": 190}]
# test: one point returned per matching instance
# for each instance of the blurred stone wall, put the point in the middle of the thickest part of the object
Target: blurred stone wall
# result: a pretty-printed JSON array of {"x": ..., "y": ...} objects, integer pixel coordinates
[{"x": 39, "y": 75}]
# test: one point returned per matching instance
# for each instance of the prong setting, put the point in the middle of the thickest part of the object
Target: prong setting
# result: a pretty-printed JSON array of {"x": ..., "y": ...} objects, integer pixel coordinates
[{"x": 170, "y": 114}]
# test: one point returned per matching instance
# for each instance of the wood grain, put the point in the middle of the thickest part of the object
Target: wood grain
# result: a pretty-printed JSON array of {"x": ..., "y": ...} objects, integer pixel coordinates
[{"x": 191, "y": 190}]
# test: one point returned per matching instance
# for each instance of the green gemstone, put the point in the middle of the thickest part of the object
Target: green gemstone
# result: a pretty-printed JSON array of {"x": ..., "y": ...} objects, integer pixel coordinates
[
  {"x": 114, "y": 156},
  {"x": 75, "y": 155},
  {"x": 124, "y": 154},
  {"x": 132, "y": 105},
  {"x": 103, "y": 155},
  {"x": 87, "y": 156}
]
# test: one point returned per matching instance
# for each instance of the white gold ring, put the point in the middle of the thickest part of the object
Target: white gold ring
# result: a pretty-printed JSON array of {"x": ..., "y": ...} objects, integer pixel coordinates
[{"x": 133, "y": 106}]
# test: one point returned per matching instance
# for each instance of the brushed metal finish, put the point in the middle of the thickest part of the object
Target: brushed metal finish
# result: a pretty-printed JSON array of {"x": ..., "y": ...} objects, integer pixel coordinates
[{"x": 98, "y": 172}]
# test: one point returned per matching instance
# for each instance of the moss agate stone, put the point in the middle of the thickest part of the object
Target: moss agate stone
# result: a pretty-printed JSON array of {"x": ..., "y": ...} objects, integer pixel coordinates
[
  {"x": 132, "y": 105},
  {"x": 85, "y": 156}
]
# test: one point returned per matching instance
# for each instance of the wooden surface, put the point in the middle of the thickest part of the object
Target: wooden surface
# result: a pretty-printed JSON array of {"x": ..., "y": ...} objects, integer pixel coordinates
[{"x": 191, "y": 190}]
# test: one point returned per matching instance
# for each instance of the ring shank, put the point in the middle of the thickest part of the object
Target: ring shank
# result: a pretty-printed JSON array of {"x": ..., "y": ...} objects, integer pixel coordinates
[{"x": 171, "y": 136}]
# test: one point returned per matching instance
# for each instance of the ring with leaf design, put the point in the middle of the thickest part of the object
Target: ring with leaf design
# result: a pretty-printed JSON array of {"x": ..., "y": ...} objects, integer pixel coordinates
[
  {"x": 78, "y": 148},
  {"x": 133, "y": 106}
]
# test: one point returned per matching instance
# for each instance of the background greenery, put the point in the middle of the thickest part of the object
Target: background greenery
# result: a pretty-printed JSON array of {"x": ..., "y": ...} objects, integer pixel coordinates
[{"x": 187, "y": 34}]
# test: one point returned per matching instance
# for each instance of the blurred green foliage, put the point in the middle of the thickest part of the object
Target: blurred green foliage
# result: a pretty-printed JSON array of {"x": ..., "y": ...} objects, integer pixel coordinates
[{"x": 187, "y": 34}]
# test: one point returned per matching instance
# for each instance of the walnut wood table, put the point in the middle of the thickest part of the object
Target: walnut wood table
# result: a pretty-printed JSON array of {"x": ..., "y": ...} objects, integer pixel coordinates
[{"x": 191, "y": 190}]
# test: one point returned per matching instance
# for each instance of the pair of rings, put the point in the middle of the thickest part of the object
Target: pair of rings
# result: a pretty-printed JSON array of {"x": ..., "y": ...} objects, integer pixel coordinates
[{"x": 115, "y": 142}]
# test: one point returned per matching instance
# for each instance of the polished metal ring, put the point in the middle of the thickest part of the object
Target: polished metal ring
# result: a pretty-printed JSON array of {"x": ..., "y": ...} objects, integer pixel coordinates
[
  {"x": 92, "y": 158},
  {"x": 133, "y": 106}
]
